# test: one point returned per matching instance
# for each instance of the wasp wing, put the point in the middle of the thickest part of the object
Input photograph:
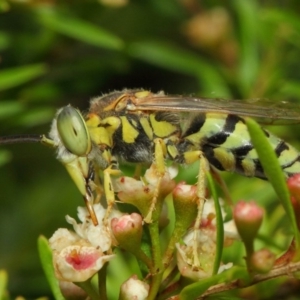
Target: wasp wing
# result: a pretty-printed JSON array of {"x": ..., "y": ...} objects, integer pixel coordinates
[{"x": 263, "y": 110}]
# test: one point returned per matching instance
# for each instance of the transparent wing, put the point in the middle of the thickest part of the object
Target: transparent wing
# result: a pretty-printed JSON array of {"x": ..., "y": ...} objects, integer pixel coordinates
[{"x": 263, "y": 110}]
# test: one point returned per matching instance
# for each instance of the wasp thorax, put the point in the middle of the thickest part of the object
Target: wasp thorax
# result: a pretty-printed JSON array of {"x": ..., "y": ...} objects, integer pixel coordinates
[{"x": 73, "y": 132}]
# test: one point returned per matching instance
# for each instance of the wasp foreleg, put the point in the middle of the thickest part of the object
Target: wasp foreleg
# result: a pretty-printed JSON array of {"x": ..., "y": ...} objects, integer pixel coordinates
[
  {"x": 109, "y": 189},
  {"x": 191, "y": 157},
  {"x": 159, "y": 156}
]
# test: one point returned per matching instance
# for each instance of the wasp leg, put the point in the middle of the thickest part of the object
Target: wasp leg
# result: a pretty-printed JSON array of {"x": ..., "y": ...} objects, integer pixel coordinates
[
  {"x": 137, "y": 171},
  {"x": 159, "y": 153},
  {"x": 201, "y": 192},
  {"x": 96, "y": 185},
  {"x": 111, "y": 170},
  {"x": 82, "y": 174},
  {"x": 89, "y": 201}
]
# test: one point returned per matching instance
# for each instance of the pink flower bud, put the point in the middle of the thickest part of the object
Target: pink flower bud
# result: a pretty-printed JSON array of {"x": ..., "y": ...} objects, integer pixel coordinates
[
  {"x": 128, "y": 231},
  {"x": 185, "y": 204},
  {"x": 248, "y": 217},
  {"x": 293, "y": 184}
]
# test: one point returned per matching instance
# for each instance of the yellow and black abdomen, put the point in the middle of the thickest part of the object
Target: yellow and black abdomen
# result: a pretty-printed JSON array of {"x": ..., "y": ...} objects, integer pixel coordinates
[{"x": 225, "y": 142}]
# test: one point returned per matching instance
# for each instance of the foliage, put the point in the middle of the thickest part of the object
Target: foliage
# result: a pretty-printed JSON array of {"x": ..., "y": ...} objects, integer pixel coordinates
[{"x": 55, "y": 53}]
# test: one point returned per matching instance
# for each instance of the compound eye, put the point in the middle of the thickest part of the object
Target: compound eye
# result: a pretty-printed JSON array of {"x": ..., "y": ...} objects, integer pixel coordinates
[{"x": 73, "y": 131}]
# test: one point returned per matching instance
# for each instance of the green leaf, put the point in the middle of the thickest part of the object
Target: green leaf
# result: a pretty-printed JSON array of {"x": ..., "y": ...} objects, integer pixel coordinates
[
  {"x": 5, "y": 157},
  {"x": 4, "y": 6},
  {"x": 16, "y": 76},
  {"x": 10, "y": 108},
  {"x": 5, "y": 40},
  {"x": 219, "y": 224},
  {"x": 290, "y": 88},
  {"x": 176, "y": 59},
  {"x": 46, "y": 259},
  {"x": 3, "y": 284},
  {"x": 273, "y": 171},
  {"x": 34, "y": 117},
  {"x": 249, "y": 64},
  {"x": 81, "y": 30},
  {"x": 277, "y": 16}
]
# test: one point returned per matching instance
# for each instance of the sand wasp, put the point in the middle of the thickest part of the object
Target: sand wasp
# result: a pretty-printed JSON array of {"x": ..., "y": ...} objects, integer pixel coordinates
[{"x": 138, "y": 126}]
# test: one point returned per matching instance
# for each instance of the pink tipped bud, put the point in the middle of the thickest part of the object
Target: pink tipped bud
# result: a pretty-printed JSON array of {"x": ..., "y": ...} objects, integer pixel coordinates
[
  {"x": 262, "y": 261},
  {"x": 128, "y": 231},
  {"x": 248, "y": 217},
  {"x": 185, "y": 203},
  {"x": 293, "y": 184}
]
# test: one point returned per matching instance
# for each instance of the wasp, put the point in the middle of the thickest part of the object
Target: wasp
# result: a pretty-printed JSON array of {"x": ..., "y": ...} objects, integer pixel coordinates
[{"x": 139, "y": 126}]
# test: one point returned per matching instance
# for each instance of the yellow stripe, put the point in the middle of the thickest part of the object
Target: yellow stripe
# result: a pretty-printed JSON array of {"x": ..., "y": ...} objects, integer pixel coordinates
[
  {"x": 147, "y": 128},
  {"x": 238, "y": 138},
  {"x": 213, "y": 124},
  {"x": 249, "y": 167},
  {"x": 162, "y": 129},
  {"x": 172, "y": 151},
  {"x": 226, "y": 158},
  {"x": 129, "y": 133}
]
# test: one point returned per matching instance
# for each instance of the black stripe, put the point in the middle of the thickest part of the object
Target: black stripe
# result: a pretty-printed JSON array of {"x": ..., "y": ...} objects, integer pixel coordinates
[
  {"x": 209, "y": 155},
  {"x": 289, "y": 174},
  {"x": 266, "y": 132},
  {"x": 291, "y": 163},
  {"x": 281, "y": 147},
  {"x": 229, "y": 127},
  {"x": 166, "y": 116},
  {"x": 195, "y": 125},
  {"x": 242, "y": 151},
  {"x": 259, "y": 171}
]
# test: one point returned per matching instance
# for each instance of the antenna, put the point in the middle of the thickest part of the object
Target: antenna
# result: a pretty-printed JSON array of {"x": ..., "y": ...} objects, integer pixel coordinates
[{"x": 21, "y": 138}]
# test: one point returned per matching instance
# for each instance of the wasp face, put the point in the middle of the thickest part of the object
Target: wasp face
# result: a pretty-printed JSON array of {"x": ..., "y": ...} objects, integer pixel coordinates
[{"x": 69, "y": 131}]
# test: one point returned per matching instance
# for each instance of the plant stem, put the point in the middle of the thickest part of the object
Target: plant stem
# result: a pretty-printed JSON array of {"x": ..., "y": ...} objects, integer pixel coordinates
[
  {"x": 102, "y": 282},
  {"x": 157, "y": 269},
  {"x": 88, "y": 288}
]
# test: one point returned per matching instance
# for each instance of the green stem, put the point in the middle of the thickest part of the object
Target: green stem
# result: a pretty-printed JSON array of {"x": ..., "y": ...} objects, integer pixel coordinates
[
  {"x": 88, "y": 288},
  {"x": 249, "y": 251},
  {"x": 177, "y": 233},
  {"x": 170, "y": 278},
  {"x": 102, "y": 282},
  {"x": 157, "y": 268},
  {"x": 140, "y": 255}
]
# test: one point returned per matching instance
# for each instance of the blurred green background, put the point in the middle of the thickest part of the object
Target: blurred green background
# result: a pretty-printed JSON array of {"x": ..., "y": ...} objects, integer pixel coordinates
[{"x": 57, "y": 52}]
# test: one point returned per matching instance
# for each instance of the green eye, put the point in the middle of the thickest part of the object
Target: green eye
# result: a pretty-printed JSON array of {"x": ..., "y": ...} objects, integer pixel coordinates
[{"x": 73, "y": 131}]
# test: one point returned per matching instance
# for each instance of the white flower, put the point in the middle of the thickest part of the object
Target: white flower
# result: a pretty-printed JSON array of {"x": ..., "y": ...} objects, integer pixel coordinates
[
  {"x": 99, "y": 236},
  {"x": 134, "y": 289},
  {"x": 78, "y": 263},
  {"x": 78, "y": 255}
]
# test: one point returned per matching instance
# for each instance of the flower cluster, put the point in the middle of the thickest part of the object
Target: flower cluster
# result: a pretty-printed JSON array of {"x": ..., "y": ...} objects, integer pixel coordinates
[
  {"x": 206, "y": 245},
  {"x": 78, "y": 255},
  {"x": 191, "y": 250}
]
